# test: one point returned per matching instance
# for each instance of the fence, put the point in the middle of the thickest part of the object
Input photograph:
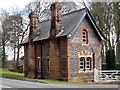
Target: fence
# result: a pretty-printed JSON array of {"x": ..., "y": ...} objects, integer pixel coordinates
[{"x": 106, "y": 75}]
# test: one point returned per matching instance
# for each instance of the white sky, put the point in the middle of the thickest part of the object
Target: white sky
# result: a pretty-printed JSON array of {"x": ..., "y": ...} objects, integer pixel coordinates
[{"x": 7, "y": 4}]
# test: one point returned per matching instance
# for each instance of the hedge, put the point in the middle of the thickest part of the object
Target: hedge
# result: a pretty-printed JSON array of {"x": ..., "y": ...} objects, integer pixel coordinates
[{"x": 117, "y": 66}]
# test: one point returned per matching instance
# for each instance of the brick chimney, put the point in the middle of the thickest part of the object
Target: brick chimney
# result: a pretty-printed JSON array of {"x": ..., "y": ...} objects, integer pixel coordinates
[
  {"x": 31, "y": 72},
  {"x": 54, "y": 52},
  {"x": 55, "y": 18},
  {"x": 33, "y": 16}
]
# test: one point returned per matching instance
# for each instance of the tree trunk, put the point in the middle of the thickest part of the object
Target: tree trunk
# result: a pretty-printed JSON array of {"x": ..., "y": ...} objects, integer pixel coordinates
[
  {"x": 14, "y": 58},
  {"x": 118, "y": 51},
  {"x": 18, "y": 51},
  {"x": 3, "y": 51},
  {"x": 14, "y": 51}
]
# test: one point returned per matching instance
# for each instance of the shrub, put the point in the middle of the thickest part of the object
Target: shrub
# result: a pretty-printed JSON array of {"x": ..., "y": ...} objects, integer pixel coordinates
[
  {"x": 117, "y": 66},
  {"x": 110, "y": 60}
]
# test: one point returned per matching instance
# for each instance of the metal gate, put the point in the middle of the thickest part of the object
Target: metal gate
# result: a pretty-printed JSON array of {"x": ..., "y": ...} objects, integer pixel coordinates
[{"x": 106, "y": 75}]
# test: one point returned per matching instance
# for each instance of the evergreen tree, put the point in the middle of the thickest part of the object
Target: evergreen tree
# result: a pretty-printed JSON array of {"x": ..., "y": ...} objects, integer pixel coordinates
[{"x": 110, "y": 59}]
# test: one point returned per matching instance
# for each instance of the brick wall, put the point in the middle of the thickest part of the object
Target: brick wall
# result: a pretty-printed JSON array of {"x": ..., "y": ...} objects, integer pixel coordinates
[
  {"x": 42, "y": 54},
  {"x": 26, "y": 60},
  {"x": 63, "y": 58},
  {"x": 45, "y": 56},
  {"x": 76, "y": 46}
]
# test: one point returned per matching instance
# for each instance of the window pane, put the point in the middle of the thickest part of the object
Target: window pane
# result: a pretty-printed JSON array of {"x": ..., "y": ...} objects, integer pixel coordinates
[
  {"x": 81, "y": 67},
  {"x": 88, "y": 66},
  {"x": 84, "y": 37},
  {"x": 48, "y": 64},
  {"x": 82, "y": 63},
  {"x": 84, "y": 32},
  {"x": 88, "y": 63},
  {"x": 84, "y": 40}
]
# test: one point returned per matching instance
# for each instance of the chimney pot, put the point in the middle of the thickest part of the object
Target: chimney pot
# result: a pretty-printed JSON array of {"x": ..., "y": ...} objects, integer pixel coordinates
[{"x": 33, "y": 16}]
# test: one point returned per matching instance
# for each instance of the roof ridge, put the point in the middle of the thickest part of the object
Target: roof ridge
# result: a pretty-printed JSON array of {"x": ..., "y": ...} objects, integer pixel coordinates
[
  {"x": 74, "y": 11},
  {"x": 67, "y": 14}
]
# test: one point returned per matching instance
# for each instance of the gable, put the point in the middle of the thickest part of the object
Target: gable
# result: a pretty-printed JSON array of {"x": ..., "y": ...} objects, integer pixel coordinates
[
  {"x": 92, "y": 36},
  {"x": 92, "y": 23}
]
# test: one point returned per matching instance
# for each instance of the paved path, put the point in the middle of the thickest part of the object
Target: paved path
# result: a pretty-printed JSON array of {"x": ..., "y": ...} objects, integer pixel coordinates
[{"x": 12, "y": 83}]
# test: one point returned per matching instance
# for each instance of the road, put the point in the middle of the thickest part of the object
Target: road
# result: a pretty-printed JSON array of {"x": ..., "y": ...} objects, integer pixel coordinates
[{"x": 12, "y": 83}]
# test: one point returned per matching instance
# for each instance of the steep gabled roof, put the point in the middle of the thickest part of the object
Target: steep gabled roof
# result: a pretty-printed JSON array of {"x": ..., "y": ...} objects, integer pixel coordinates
[{"x": 69, "y": 24}]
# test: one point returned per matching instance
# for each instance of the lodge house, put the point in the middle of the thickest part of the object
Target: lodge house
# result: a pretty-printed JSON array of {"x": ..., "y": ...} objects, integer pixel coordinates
[{"x": 65, "y": 47}]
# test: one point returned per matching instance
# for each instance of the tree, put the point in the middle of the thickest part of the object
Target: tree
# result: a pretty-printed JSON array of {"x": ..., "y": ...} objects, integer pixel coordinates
[
  {"x": 1, "y": 45},
  {"x": 107, "y": 15},
  {"x": 4, "y": 35},
  {"x": 110, "y": 60},
  {"x": 16, "y": 30},
  {"x": 116, "y": 11},
  {"x": 42, "y": 8},
  {"x": 13, "y": 32}
]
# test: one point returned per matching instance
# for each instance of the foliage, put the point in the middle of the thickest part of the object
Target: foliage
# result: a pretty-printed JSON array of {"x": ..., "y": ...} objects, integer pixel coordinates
[
  {"x": 110, "y": 60},
  {"x": 104, "y": 66},
  {"x": 107, "y": 15},
  {"x": 42, "y": 8},
  {"x": 13, "y": 29},
  {"x": 4, "y": 37}
]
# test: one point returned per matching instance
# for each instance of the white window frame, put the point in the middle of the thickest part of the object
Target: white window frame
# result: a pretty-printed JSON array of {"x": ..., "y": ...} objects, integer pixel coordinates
[
  {"x": 83, "y": 65},
  {"x": 88, "y": 58},
  {"x": 84, "y": 37}
]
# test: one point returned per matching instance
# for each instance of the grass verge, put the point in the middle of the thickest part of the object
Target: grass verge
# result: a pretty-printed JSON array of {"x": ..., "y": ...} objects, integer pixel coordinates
[{"x": 4, "y": 72}]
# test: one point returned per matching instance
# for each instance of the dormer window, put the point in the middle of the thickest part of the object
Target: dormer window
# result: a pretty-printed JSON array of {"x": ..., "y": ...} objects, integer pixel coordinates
[{"x": 84, "y": 37}]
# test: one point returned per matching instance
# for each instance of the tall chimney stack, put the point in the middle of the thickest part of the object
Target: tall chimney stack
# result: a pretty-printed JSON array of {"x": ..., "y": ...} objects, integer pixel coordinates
[
  {"x": 55, "y": 18},
  {"x": 33, "y": 16},
  {"x": 31, "y": 72},
  {"x": 54, "y": 51}
]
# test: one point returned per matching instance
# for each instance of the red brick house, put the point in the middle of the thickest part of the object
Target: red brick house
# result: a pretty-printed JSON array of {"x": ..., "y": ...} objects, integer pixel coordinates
[{"x": 65, "y": 47}]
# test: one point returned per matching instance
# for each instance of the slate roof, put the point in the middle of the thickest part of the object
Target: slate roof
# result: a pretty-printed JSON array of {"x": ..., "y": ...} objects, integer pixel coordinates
[{"x": 69, "y": 24}]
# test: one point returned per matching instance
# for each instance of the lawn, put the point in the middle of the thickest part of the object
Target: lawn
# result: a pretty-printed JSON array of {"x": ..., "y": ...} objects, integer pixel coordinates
[{"x": 6, "y": 73}]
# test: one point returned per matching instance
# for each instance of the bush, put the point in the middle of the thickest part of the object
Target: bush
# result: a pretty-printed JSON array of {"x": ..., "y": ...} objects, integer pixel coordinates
[
  {"x": 117, "y": 66},
  {"x": 110, "y": 60}
]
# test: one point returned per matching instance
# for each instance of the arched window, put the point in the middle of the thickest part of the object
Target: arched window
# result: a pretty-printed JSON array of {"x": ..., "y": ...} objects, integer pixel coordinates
[
  {"x": 85, "y": 63},
  {"x": 85, "y": 37},
  {"x": 88, "y": 61},
  {"x": 82, "y": 64}
]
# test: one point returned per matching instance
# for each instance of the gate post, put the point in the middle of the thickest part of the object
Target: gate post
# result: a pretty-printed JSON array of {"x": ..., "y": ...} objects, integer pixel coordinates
[{"x": 95, "y": 75}]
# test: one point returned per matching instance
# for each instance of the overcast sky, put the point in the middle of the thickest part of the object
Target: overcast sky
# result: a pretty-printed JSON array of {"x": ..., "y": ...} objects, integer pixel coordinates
[{"x": 7, "y": 4}]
